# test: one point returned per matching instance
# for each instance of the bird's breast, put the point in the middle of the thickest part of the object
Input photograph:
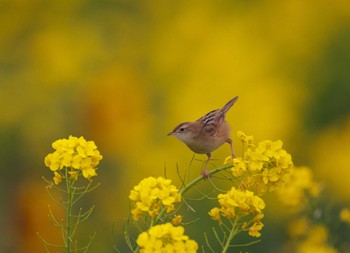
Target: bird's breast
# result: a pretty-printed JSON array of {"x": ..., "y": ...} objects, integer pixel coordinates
[{"x": 207, "y": 142}]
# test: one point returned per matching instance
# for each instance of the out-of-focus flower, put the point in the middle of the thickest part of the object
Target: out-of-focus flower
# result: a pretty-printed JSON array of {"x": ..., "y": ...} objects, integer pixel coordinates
[
  {"x": 75, "y": 153},
  {"x": 238, "y": 203},
  {"x": 166, "y": 238},
  {"x": 344, "y": 215},
  {"x": 151, "y": 194},
  {"x": 298, "y": 186},
  {"x": 263, "y": 167},
  {"x": 177, "y": 219},
  {"x": 298, "y": 227},
  {"x": 317, "y": 241}
]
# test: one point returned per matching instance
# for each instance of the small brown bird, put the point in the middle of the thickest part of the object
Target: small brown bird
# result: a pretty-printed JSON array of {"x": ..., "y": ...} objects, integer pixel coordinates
[{"x": 206, "y": 134}]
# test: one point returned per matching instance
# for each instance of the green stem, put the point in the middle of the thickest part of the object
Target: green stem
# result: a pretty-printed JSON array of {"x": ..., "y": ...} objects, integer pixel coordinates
[
  {"x": 69, "y": 215},
  {"x": 195, "y": 181},
  {"x": 233, "y": 232}
]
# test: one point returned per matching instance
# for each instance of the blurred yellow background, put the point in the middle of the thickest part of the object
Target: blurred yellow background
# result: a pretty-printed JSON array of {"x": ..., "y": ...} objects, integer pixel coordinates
[{"x": 125, "y": 73}]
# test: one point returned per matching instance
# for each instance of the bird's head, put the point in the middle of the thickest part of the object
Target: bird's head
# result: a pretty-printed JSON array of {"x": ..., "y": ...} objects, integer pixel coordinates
[{"x": 183, "y": 131}]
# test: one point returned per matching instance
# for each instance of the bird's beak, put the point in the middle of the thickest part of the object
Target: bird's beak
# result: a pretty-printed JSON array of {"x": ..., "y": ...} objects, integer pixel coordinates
[{"x": 171, "y": 133}]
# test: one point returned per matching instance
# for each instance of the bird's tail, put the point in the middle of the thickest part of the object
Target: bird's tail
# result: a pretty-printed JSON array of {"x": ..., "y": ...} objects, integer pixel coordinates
[{"x": 229, "y": 104}]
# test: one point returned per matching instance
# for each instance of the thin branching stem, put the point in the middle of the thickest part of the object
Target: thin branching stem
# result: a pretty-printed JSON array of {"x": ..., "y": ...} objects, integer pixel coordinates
[
  {"x": 233, "y": 232},
  {"x": 246, "y": 244},
  {"x": 53, "y": 186},
  {"x": 53, "y": 218},
  {"x": 218, "y": 238},
  {"x": 207, "y": 242},
  {"x": 87, "y": 189},
  {"x": 60, "y": 203},
  {"x": 46, "y": 244},
  {"x": 69, "y": 215},
  {"x": 92, "y": 238},
  {"x": 215, "y": 187}
]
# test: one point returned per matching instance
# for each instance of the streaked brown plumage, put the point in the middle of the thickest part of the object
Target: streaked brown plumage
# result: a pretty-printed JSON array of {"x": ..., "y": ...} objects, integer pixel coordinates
[{"x": 206, "y": 134}]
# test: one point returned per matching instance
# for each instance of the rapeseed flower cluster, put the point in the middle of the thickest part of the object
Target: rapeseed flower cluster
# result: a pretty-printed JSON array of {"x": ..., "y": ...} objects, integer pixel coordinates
[
  {"x": 262, "y": 167},
  {"x": 77, "y": 154},
  {"x": 151, "y": 194},
  {"x": 237, "y": 204},
  {"x": 166, "y": 238}
]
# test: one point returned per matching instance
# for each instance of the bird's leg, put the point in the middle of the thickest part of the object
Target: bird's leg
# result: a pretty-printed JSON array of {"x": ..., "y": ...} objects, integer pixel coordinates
[
  {"x": 205, "y": 173},
  {"x": 229, "y": 141}
]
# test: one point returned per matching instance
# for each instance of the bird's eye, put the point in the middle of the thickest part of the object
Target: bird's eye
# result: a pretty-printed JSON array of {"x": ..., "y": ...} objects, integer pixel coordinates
[{"x": 182, "y": 129}]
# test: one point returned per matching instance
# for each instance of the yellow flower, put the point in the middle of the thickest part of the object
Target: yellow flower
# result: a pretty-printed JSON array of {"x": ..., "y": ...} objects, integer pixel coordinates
[
  {"x": 88, "y": 172},
  {"x": 271, "y": 175},
  {"x": 248, "y": 139},
  {"x": 75, "y": 153},
  {"x": 52, "y": 161},
  {"x": 238, "y": 203},
  {"x": 239, "y": 167},
  {"x": 57, "y": 178},
  {"x": 255, "y": 159},
  {"x": 215, "y": 214},
  {"x": 257, "y": 203},
  {"x": 258, "y": 217},
  {"x": 73, "y": 175},
  {"x": 254, "y": 230},
  {"x": 228, "y": 160},
  {"x": 166, "y": 238},
  {"x": 177, "y": 219},
  {"x": 262, "y": 167},
  {"x": 151, "y": 194}
]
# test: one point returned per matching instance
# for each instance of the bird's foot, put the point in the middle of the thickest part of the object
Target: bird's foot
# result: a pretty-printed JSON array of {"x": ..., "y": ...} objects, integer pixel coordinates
[{"x": 205, "y": 174}]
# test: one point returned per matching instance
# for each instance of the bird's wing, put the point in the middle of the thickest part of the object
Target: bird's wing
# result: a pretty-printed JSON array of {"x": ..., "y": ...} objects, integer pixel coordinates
[{"x": 211, "y": 121}]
